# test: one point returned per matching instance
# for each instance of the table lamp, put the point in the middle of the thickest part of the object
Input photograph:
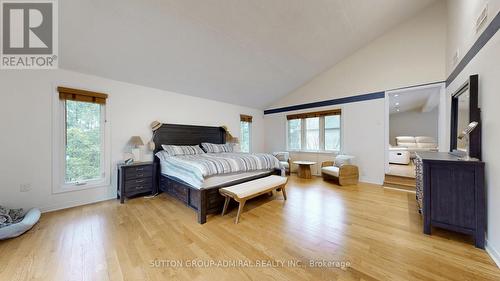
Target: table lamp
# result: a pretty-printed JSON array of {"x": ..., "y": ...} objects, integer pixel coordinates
[{"x": 136, "y": 142}]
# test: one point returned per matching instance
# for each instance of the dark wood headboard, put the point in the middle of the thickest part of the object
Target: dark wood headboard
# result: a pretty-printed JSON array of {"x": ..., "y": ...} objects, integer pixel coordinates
[{"x": 175, "y": 134}]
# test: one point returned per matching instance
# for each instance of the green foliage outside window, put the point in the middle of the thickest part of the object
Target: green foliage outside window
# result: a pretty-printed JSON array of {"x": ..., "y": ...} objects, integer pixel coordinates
[
  {"x": 83, "y": 141},
  {"x": 245, "y": 136}
]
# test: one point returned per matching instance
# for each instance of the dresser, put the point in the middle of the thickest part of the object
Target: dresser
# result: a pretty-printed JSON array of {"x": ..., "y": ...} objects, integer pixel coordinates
[
  {"x": 450, "y": 194},
  {"x": 135, "y": 179}
]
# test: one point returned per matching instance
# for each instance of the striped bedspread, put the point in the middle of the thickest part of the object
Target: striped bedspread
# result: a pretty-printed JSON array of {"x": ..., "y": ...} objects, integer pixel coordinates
[{"x": 193, "y": 169}]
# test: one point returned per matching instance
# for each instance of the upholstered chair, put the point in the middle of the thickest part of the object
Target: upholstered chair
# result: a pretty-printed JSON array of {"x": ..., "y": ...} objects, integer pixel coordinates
[
  {"x": 341, "y": 170},
  {"x": 284, "y": 158}
]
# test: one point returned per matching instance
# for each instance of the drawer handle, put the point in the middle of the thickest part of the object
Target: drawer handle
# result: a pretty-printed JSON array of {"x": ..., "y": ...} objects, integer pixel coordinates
[
  {"x": 139, "y": 181},
  {"x": 140, "y": 175},
  {"x": 139, "y": 187},
  {"x": 139, "y": 169}
]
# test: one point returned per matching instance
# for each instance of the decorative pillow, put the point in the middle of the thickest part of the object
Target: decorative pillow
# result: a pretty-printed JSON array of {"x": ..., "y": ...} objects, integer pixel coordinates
[
  {"x": 217, "y": 148},
  {"x": 282, "y": 156},
  {"x": 174, "y": 150},
  {"x": 342, "y": 160},
  {"x": 406, "y": 141}
]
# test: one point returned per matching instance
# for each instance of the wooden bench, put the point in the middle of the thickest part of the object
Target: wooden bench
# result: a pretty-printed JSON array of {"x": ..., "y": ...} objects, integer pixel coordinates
[{"x": 251, "y": 189}]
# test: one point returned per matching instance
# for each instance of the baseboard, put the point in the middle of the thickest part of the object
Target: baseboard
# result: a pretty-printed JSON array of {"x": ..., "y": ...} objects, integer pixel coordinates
[
  {"x": 72, "y": 204},
  {"x": 399, "y": 189},
  {"x": 371, "y": 180},
  {"x": 495, "y": 256}
]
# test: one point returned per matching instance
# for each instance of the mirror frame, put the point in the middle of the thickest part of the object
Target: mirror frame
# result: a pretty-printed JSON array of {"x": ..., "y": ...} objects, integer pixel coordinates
[{"x": 474, "y": 115}]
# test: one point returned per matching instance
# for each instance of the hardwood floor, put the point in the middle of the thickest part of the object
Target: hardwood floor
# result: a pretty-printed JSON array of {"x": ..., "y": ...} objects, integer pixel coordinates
[{"x": 378, "y": 232}]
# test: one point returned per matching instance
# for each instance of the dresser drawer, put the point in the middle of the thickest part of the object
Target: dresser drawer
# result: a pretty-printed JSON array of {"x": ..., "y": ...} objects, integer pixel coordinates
[{"x": 138, "y": 172}]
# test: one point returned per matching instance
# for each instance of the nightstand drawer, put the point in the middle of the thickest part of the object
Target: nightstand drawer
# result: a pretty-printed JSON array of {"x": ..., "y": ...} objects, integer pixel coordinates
[
  {"x": 133, "y": 183},
  {"x": 135, "y": 187},
  {"x": 138, "y": 172},
  {"x": 139, "y": 189}
]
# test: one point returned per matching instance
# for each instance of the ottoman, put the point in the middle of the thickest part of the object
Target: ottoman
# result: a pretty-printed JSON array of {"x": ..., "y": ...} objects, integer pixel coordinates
[{"x": 399, "y": 156}]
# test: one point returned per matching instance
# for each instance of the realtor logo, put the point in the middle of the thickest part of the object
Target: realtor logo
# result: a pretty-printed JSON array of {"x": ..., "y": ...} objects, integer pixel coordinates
[{"x": 29, "y": 33}]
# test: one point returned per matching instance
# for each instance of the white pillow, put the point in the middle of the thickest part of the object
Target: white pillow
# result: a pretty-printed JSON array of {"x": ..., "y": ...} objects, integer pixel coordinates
[
  {"x": 406, "y": 141},
  {"x": 342, "y": 160},
  {"x": 282, "y": 156},
  {"x": 174, "y": 150},
  {"x": 426, "y": 145},
  {"x": 424, "y": 140}
]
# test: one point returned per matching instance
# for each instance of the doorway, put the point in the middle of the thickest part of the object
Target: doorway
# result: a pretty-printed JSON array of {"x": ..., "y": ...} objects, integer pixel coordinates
[{"x": 415, "y": 121}]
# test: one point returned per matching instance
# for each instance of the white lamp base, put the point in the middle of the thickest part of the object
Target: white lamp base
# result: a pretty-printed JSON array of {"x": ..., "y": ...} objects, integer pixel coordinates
[{"x": 137, "y": 154}]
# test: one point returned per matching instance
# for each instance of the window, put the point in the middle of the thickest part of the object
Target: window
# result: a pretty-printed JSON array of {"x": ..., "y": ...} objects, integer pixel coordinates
[
  {"x": 314, "y": 131},
  {"x": 80, "y": 158},
  {"x": 294, "y": 134},
  {"x": 245, "y": 133},
  {"x": 84, "y": 142},
  {"x": 332, "y": 132}
]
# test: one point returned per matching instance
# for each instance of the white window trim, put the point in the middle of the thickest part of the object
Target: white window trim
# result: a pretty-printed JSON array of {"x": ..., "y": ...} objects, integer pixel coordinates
[
  {"x": 58, "y": 150},
  {"x": 303, "y": 130}
]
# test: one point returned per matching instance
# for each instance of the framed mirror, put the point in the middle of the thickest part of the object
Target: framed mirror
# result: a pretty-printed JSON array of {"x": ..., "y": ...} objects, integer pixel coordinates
[{"x": 464, "y": 110}]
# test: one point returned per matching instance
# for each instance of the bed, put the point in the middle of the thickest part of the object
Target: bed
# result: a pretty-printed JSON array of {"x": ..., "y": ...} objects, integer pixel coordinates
[{"x": 201, "y": 195}]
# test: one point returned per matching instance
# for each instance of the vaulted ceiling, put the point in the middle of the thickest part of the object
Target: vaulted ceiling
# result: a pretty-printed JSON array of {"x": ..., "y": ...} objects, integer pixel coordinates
[{"x": 247, "y": 52}]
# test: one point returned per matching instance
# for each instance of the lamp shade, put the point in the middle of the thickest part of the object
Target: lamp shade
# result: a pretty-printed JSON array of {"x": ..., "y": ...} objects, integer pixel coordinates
[{"x": 136, "y": 141}]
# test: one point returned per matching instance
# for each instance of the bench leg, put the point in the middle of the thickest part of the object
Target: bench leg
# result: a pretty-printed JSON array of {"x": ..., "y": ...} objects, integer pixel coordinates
[
  {"x": 284, "y": 192},
  {"x": 240, "y": 210},
  {"x": 226, "y": 203}
]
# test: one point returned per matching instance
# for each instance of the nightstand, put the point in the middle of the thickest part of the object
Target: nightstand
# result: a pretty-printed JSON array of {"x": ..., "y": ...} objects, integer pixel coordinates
[{"x": 135, "y": 179}]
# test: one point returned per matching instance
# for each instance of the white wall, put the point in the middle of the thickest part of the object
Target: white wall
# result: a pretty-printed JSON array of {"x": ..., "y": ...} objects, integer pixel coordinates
[
  {"x": 413, "y": 123},
  {"x": 462, "y": 15},
  {"x": 26, "y": 126},
  {"x": 461, "y": 32},
  {"x": 410, "y": 54}
]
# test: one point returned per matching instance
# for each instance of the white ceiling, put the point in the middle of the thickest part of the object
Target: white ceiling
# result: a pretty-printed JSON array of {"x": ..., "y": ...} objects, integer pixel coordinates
[
  {"x": 420, "y": 99},
  {"x": 247, "y": 52}
]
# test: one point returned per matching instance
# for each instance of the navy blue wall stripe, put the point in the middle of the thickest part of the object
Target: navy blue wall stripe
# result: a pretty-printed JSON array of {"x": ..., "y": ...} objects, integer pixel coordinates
[
  {"x": 487, "y": 34},
  {"x": 365, "y": 97}
]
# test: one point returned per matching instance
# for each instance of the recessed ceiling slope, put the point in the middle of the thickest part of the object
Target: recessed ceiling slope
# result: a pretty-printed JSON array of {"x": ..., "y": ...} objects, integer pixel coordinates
[
  {"x": 242, "y": 52},
  {"x": 422, "y": 100}
]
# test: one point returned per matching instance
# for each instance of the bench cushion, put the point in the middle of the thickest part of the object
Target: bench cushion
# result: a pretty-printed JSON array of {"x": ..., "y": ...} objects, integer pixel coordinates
[{"x": 253, "y": 187}]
